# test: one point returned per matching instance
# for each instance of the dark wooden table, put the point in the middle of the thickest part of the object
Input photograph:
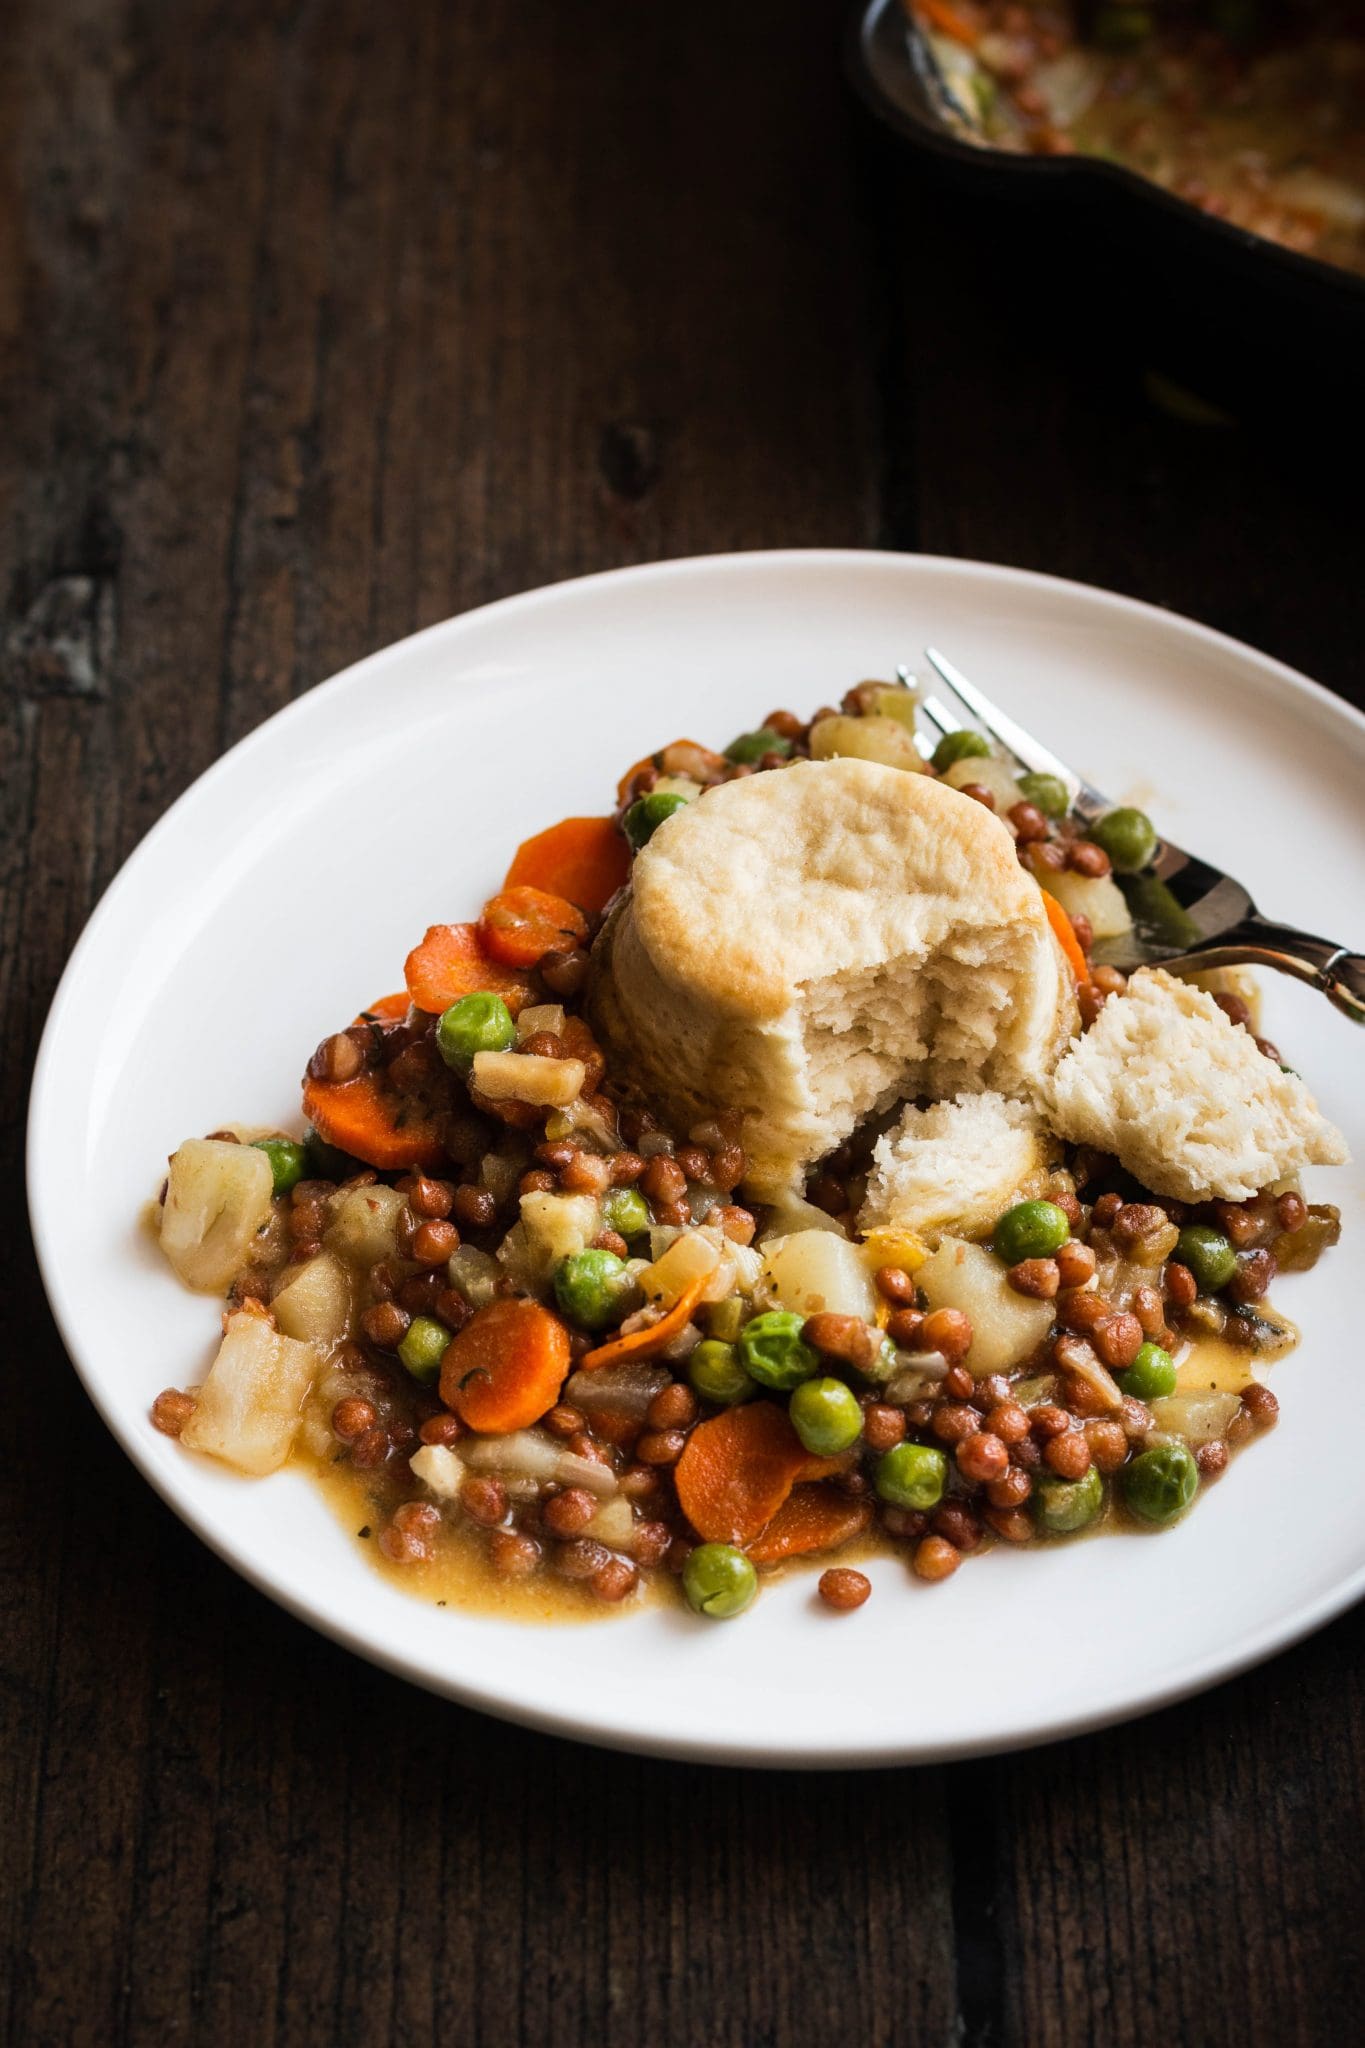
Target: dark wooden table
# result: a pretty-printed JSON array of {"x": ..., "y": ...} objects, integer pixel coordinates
[{"x": 319, "y": 323}]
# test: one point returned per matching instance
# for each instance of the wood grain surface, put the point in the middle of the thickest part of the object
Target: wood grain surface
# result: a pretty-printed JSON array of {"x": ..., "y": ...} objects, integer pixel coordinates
[{"x": 319, "y": 322}]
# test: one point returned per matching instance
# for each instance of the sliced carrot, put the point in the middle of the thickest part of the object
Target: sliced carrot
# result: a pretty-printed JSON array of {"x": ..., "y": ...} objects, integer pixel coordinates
[
  {"x": 505, "y": 1368},
  {"x": 950, "y": 21},
  {"x": 1066, "y": 937},
  {"x": 370, "y": 1120},
  {"x": 584, "y": 860},
  {"x": 518, "y": 927},
  {"x": 450, "y": 963},
  {"x": 811, "y": 1518},
  {"x": 645, "y": 1343},
  {"x": 736, "y": 1470}
]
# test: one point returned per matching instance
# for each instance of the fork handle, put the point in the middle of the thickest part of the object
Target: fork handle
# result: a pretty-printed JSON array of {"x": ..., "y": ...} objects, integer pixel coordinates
[{"x": 1339, "y": 973}]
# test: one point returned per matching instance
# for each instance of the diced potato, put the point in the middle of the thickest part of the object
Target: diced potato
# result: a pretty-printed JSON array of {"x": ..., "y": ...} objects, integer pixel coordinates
[
  {"x": 249, "y": 1408},
  {"x": 313, "y": 1301},
  {"x": 813, "y": 1271},
  {"x": 475, "y": 1273},
  {"x": 790, "y": 1213},
  {"x": 1097, "y": 897},
  {"x": 865, "y": 739},
  {"x": 991, "y": 773},
  {"x": 1006, "y": 1327},
  {"x": 528, "y": 1077},
  {"x": 439, "y": 1469},
  {"x": 540, "y": 1017},
  {"x": 552, "y": 1229},
  {"x": 364, "y": 1228},
  {"x": 689, "y": 1258},
  {"x": 1199, "y": 1418},
  {"x": 217, "y": 1203},
  {"x": 613, "y": 1524},
  {"x": 897, "y": 701}
]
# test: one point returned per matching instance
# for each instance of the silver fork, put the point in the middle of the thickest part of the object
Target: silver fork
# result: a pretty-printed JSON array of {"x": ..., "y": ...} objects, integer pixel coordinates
[{"x": 1182, "y": 908}]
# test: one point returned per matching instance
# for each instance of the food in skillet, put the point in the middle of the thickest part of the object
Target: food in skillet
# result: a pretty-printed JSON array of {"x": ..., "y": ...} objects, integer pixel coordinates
[
  {"x": 769, "y": 1173},
  {"x": 1250, "y": 111}
]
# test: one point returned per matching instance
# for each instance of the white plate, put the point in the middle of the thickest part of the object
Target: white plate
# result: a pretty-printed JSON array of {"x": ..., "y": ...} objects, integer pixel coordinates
[{"x": 284, "y": 890}]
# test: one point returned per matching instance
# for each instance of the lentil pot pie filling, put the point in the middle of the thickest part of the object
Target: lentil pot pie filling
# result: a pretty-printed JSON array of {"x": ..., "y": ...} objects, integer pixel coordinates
[{"x": 771, "y": 1172}]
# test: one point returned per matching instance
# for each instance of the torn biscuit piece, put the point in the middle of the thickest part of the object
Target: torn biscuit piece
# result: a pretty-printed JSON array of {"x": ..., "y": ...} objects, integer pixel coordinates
[
  {"x": 957, "y": 1166},
  {"x": 1185, "y": 1099}
]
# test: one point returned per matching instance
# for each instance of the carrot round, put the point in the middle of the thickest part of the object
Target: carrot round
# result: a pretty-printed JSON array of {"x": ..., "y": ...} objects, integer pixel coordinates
[
  {"x": 951, "y": 21},
  {"x": 584, "y": 860},
  {"x": 518, "y": 927},
  {"x": 645, "y": 1343},
  {"x": 1066, "y": 937},
  {"x": 366, "y": 1118},
  {"x": 811, "y": 1518},
  {"x": 736, "y": 1471},
  {"x": 505, "y": 1368},
  {"x": 450, "y": 963}
]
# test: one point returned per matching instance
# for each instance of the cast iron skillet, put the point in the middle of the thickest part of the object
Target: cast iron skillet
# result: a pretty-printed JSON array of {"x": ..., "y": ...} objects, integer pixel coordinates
[{"x": 1234, "y": 316}]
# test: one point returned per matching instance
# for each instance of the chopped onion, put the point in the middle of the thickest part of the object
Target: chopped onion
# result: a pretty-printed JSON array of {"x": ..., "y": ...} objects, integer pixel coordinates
[
  {"x": 530, "y": 1454},
  {"x": 622, "y": 1389}
]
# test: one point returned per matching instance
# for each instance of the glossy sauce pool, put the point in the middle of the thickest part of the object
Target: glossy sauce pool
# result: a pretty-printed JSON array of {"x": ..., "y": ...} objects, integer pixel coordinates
[{"x": 460, "y": 1575}]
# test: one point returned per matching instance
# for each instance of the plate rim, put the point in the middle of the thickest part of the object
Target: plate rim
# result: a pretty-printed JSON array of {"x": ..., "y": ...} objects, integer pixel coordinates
[{"x": 1210, "y": 1670}]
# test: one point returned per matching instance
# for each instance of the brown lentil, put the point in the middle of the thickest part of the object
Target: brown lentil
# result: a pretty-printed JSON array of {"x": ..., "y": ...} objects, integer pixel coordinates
[
  {"x": 1087, "y": 858},
  {"x": 1291, "y": 1211},
  {"x": 844, "y": 1337},
  {"x": 979, "y": 794},
  {"x": 1108, "y": 1444},
  {"x": 1028, "y": 822},
  {"x": 474, "y": 1208},
  {"x": 1008, "y": 1421},
  {"x": 586, "y": 1174},
  {"x": 581, "y": 1559},
  {"x": 565, "y": 973},
  {"x": 1180, "y": 1284},
  {"x": 954, "y": 1422},
  {"x": 1075, "y": 1263},
  {"x": 1010, "y": 1490},
  {"x": 385, "y": 1324},
  {"x": 883, "y": 1427},
  {"x": 661, "y": 1446},
  {"x": 650, "y": 1541},
  {"x": 1211, "y": 1458},
  {"x": 569, "y": 1513},
  {"x": 1010, "y": 1524},
  {"x": 842, "y": 1589},
  {"x": 663, "y": 1180},
  {"x": 957, "y": 1383},
  {"x": 430, "y": 1198},
  {"x": 1038, "y": 1278},
  {"x": 538, "y": 1181},
  {"x": 1261, "y": 1405},
  {"x": 1083, "y": 1310},
  {"x": 738, "y": 1224},
  {"x": 615, "y": 1579},
  {"x": 1118, "y": 1339},
  {"x": 1068, "y": 1455},
  {"x": 369, "y": 1450},
  {"x": 445, "y": 1428},
  {"x": 1047, "y": 1421},
  {"x": 949, "y": 1331},
  {"x": 894, "y": 1284},
  {"x": 674, "y": 1407},
  {"x": 352, "y": 1417},
  {"x": 338, "y": 1058},
  {"x": 935, "y": 1559},
  {"x": 512, "y": 1554},
  {"x": 171, "y": 1410},
  {"x": 903, "y": 1327},
  {"x": 982, "y": 1458},
  {"x": 484, "y": 1500},
  {"x": 1255, "y": 1271}
]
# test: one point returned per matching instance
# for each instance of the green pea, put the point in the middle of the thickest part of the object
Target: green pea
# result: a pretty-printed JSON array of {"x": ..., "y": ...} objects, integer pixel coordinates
[
  {"x": 752, "y": 746},
  {"x": 911, "y": 1476},
  {"x": 594, "y": 1288},
  {"x": 772, "y": 1352},
  {"x": 1047, "y": 792},
  {"x": 477, "y": 1023},
  {"x": 423, "y": 1348},
  {"x": 626, "y": 1211},
  {"x": 1159, "y": 1484},
  {"x": 956, "y": 746},
  {"x": 1151, "y": 1374},
  {"x": 717, "y": 1375},
  {"x": 647, "y": 813},
  {"x": 1030, "y": 1230},
  {"x": 719, "y": 1580},
  {"x": 725, "y": 1319},
  {"x": 1127, "y": 836},
  {"x": 288, "y": 1162},
  {"x": 1062, "y": 1506},
  {"x": 826, "y": 1416},
  {"x": 1208, "y": 1254}
]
